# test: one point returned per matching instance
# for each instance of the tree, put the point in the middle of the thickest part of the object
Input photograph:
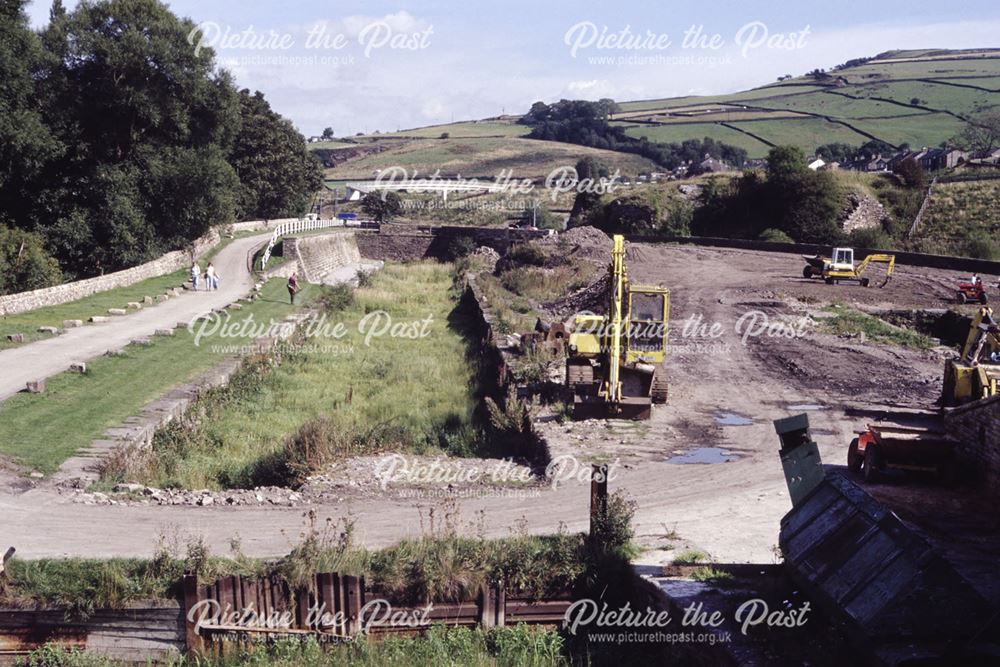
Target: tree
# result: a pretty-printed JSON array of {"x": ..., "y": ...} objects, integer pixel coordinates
[
  {"x": 982, "y": 134},
  {"x": 786, "y": 162},
  {"x": 277, "y": 173},
  {"x": 24, "y": 264},
  {"x": 328, "y": 133},
  {"x": 912, "y": 173},
  {"x": 382, "y": 205},
  {"x": 26, "y": 144}
]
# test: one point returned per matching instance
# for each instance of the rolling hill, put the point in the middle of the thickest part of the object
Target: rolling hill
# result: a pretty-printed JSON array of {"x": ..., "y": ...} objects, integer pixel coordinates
[{"x": 917, "y": 97}]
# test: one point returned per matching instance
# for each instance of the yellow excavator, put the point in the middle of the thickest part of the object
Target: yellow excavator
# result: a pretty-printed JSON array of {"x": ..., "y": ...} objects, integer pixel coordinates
[
  {"x": 840, "y": 266},
  {"x": 615, "y": 363},
  {"x": 975, "y": 374}
]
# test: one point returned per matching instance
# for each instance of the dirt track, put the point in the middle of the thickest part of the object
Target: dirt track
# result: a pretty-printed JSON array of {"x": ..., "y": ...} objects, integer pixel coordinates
[{"x": 729, "y": 509}]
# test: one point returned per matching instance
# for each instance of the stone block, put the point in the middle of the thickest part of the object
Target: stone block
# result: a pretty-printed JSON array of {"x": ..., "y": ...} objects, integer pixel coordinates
[
  {"x": 117, "y": 311},
  {"x": 36, "y": 386},
  {"x": 78, "y": 367},
  {"x": 48, "y": 330},
  {"x": 15, "y": 338},
  {"x": 97, "y": 319},
  {"x": 72, "y": 324}
]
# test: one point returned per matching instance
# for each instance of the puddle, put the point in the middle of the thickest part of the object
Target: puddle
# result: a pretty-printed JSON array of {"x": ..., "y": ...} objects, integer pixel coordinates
[
  {"x": 732, "y": 419},
  {"x": 807, "y": 406},
  {"x": 704, "y": 455}
]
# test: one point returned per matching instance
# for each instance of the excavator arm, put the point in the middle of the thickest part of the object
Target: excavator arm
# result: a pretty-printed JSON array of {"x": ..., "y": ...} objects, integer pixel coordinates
[
  {"x": 619, "y": 285},
  {"x": 890, "y": 260}
]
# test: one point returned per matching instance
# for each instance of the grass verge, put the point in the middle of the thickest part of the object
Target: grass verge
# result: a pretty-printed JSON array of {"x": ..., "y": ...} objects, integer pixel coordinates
[
  {"x": 40, "y": 431},
  {"x": 328, "y": 396}
]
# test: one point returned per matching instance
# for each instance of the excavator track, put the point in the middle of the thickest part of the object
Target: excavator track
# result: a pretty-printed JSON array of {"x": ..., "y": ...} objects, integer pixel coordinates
[{"x": 658, "y": 391}]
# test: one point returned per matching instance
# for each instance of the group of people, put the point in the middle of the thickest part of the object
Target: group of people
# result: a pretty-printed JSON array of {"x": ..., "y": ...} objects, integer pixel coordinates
[{"x": 210, "y": 276}]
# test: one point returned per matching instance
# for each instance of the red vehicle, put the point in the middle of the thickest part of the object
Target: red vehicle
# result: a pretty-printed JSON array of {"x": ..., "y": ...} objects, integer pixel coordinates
[
  {"x": 881, "y": 447},
  {"x": 971, "y": 291}
]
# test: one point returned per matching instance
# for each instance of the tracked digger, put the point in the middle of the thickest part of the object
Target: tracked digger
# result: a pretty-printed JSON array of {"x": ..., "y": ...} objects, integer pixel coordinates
[
  {"x": 614, "y": 367},
  {"x": 976, "y": 373}
]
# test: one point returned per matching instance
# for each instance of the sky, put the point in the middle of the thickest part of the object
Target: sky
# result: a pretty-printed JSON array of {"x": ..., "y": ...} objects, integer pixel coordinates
[{"x": 365, "y": 66}]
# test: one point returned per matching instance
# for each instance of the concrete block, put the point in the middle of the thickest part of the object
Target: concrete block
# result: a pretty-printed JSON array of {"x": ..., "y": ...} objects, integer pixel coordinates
[
  {"x": 97, "y": 319},
  {"x": 15, "y": 338},
  {"x": 147, "y": 300},
  {"x": 115, "y": 353},
  {"x": 235, "y": 306},
  {"x": 117, "y": 311},
  {"x": 134, "y": 305},
  {"x": 142, "y": 342},
  {"x": 72, "y": 324},
  {"x": 48, "y": 330},
  {"x": 36, "y": 386},
  {"x": 160, "y": 298},
  {"x": 78, "y": 367},
  {"x": 164, "y": 332}
]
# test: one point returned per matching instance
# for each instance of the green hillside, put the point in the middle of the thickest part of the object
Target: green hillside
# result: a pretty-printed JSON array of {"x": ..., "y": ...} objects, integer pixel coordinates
[{"x": 917, "y": 97}]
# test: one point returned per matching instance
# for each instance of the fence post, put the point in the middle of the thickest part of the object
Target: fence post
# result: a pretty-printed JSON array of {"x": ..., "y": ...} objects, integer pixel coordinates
[
  {"x": 598, "y": 494},
  {"x": 487, "y": 607},
  {"x": 354, "y": 587},
  {"x": 192, "y": 639}
]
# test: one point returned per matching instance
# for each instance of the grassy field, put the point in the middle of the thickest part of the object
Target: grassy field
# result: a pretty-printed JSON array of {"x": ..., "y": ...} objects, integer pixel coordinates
[
  {"x": 40, "y": 431},
  {"x": 484, "y": 128},
  {"x": 677, "y": 133},
  {"x": 960, "y": 215},
  {"x": 484, "y": 158},
  {"x": 805, "y": 133},
  {"x": 381, "y": 392}
]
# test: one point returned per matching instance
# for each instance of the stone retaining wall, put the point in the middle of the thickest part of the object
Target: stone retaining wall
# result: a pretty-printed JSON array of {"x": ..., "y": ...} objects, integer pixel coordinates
[
  {"x": 977, "y": 426},
  {"x": 12, "y": 304},
  {"x": 316, "y": 256}
]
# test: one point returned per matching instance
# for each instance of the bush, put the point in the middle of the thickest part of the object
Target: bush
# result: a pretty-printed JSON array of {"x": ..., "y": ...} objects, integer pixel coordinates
[
  {"x": 527, "y": 254},
  {"x": 772, "y": 235},
  {"x": 461, "y": 246},
  {"x": 981, "y": 246},
  {"x": 870, "y": 237},
  {"x": 24, "y": 263}
]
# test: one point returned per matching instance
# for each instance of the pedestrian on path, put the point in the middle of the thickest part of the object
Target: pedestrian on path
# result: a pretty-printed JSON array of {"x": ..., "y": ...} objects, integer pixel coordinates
[
  {"x": 195, "y": 275},
  {"x": 293, "y": 287},
  {"x": 211, "y": 277}
]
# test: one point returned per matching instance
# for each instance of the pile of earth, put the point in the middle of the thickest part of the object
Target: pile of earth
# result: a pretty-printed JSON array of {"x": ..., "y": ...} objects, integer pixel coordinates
[{"x": 581, "y": 242}]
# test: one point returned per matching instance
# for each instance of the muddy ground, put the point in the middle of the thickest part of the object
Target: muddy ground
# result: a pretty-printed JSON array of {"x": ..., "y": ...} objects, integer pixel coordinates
[{"x": 724, "y": 393}]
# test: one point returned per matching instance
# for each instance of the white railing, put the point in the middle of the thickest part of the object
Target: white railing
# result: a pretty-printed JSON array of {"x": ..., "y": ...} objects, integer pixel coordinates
[{"x": 305, "y": 224}]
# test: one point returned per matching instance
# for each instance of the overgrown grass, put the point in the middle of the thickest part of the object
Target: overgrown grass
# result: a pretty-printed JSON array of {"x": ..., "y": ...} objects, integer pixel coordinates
[
  {"x": 710, "y": 574},
  {"x": 845, "y": 320},
  {"x": 332, "y": 397},
  {"x": 690, "y": 557},
  {"x": 40, "y": 431},
  {"x": 519, "y": 646}
]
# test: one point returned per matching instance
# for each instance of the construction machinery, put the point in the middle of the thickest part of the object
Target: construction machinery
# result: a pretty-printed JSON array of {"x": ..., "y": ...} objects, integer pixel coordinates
[
  {"x": 975, "y": 374},
  {"x": 969, "y": 290},
  {"x": 912, "y": 448},
  {"x": 840, "y": 266},
  {"x": 614, "y": 366}
]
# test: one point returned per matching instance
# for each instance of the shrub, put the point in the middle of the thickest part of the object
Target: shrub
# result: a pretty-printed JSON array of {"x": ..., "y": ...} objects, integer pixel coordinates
[
  {"x": 526, "y": 254},
  {"x": 24, "y": 263},
  {"x": 772, "y": 235},
  {"x": 870, "y": 237},
  {"x": 461, "y": 246}
]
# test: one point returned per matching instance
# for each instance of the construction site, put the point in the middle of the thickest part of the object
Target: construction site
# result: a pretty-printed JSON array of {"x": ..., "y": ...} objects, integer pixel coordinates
[{"x": 830, "y": 439}]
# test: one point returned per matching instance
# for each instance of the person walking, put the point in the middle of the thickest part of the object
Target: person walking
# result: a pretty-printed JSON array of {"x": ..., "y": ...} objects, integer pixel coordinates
[
  {"x": 293, "y": 287},
  {"x": 195, "y": 275},
  {"x": 211, "y": 277}
]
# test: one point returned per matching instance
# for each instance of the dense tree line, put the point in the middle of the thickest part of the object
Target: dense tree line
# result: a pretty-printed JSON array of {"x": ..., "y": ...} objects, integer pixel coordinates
[
  {"x": 586, "y": 123},
  {"x": 802, "y": 204},
  {"x": 119, "y": 140}
]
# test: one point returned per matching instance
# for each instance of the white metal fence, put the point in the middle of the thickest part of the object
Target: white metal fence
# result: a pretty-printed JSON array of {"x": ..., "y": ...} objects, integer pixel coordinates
[{"x": 306, "y": 224}]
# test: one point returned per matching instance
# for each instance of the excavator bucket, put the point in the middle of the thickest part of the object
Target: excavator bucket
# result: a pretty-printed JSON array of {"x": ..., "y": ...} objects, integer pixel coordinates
[{"x": 636, "y": 408}]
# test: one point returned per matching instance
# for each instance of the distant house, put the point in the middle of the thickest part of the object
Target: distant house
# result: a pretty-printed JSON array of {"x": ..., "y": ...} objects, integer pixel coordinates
[
  {"x": 952, "y": 157},
  {"x": 991, "y": 156},
  {"x": 711, "y": 165},
  {"x": 817, "y": 164},
  {"x": 756, "y": 163}
]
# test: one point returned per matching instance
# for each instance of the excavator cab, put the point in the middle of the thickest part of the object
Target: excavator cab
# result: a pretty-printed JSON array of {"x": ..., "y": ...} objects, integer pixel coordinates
[
  {"x": 843, "y": 259},
  {"x": 615, "y": 363}
]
